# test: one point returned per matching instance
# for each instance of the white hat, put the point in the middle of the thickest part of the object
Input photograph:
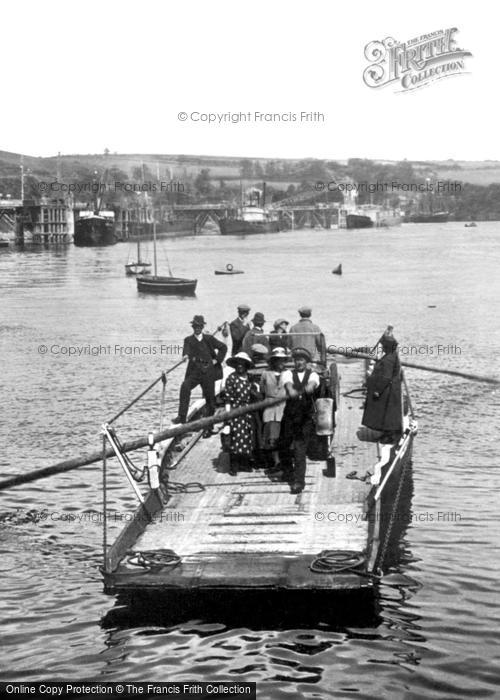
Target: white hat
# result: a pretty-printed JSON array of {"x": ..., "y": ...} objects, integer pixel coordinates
[
  {"x": 279, "y": 352},
  {"x": 239, "y": 357}
]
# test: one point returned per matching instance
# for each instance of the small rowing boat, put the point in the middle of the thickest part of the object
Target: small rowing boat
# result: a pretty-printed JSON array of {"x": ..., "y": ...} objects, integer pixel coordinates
[
  {"x": 156, "y": 284},
  {"x": 166, "y": 285},
  {"x": 229, "y": 271}
]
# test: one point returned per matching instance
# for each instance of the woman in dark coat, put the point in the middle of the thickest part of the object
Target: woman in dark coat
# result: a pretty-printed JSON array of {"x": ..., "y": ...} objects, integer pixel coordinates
[{"x": 383, "y": 399}]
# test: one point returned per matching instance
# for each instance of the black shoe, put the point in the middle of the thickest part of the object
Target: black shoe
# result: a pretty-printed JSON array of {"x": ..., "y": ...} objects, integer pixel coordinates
[
  {"x": 296, "y": 488},
  {"x": 208, "y": 433},
  {"x": 176, "y": 420},
  {"x": 233, "y": 472}
]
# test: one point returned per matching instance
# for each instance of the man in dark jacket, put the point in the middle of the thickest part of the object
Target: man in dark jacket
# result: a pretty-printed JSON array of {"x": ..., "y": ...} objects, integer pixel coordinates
[
  {"x": 256, "y": 334},
  {"x": 204, "y": 353},
  {"x": 239, "y": 327},
  {"x": 383, "y": 398}
]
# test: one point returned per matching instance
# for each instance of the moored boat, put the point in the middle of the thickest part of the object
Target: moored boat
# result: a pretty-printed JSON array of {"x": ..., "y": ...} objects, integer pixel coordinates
[
  {"x": 156, "y": 284},
  {"x": 137, "y": 268},
  {"x": 140, "y": 267},
  {"x": 250, "y": 220},
  {"x": 358, "y": 221},
  {"x": 166, "y": 285},
  {"x": 438, "y": 217},
  {"x": 382, "y": 217},
  {"x": 94, "y": 230},
  {"x": 229, "y": 270}
]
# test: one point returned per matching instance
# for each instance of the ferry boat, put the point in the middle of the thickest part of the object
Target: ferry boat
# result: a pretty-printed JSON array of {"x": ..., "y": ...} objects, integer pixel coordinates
[{"x": 199, "y": 531}]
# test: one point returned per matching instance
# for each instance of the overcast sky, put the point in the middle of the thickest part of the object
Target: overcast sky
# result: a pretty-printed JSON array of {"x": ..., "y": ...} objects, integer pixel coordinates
[{"x": 78, "y": 78}]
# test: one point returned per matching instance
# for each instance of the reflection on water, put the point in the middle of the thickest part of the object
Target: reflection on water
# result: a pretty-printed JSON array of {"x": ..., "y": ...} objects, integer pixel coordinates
[{"x": 431, "y": 627}]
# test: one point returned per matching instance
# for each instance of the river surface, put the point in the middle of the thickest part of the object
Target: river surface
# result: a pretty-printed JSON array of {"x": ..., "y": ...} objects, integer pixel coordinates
[{"x": 434, "y": 632}]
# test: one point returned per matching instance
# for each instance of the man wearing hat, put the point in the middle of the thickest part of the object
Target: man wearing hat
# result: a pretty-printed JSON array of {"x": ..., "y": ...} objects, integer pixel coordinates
[
  {"x": 256, "y": 334},
  {"x": 298, "y": 426},
  {"x": 383, "y": 392},
  {"x": 309, "y": 335},
  {"x": 239, "y": 327},
  {"x": 203, "y": 352}
]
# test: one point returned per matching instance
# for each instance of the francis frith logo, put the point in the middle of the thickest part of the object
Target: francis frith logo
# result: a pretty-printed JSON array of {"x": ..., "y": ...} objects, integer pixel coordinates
[{"x": 414, "y": 63}]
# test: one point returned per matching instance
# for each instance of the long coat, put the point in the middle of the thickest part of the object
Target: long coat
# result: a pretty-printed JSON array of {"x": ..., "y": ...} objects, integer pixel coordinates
[
  {"x": 384, "y": 412},
  {"x": 239, "y": 393},
  {"x": 238, "y": 330}
]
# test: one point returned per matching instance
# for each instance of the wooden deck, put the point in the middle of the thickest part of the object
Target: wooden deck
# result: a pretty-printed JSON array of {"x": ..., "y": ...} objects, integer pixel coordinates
[{"x": 249, "y": 532}]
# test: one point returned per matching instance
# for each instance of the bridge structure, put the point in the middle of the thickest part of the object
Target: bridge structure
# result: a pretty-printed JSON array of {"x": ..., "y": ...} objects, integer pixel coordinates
[
  {"x": 41, "y": 221},
  {"x": 10, "y": 212},
  {"x": 303, "y": 210},
  {"x": 201, "y": 214}
]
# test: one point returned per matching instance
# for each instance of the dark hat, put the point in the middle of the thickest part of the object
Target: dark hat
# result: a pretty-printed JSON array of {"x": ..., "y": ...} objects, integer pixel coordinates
[
  {"x": 239, "y": 357},
  {"x": 258, "y": 319},
  {"x": 198, "y": 321},
  {"x": 243, "y": 307},
  {"x": 301, "y": 352},
  {"x": 305, "y": 311}
]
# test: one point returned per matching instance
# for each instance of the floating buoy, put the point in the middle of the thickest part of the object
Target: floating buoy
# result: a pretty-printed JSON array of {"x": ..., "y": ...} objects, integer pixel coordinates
[
  {"x": 337, "y": 270},
  {"x": 229, "y": 271}
]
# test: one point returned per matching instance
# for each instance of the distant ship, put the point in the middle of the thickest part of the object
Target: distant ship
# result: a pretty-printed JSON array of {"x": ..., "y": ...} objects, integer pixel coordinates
[
  {"x": 164, "y": 229},
  {"x": 250, "y": 220},
  {"x": 358, "y": 221},
  {"x": 381, "y": 216},
  {"x": 94, "y": 229},
  {"x": 438, "y": 217}
]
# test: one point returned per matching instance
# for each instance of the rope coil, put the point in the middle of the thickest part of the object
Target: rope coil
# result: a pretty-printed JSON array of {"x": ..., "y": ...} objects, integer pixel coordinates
[
  {"x": 333, "y": 561},
  {"x": 154, "y": 558}
]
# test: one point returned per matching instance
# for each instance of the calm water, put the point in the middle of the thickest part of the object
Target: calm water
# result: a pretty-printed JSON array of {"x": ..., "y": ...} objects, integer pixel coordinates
[{"x": 434, "y": 632}]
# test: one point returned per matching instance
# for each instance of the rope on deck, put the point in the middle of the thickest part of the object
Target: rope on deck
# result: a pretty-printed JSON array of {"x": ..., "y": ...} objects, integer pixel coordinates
[{"x": 336, "y": 561}]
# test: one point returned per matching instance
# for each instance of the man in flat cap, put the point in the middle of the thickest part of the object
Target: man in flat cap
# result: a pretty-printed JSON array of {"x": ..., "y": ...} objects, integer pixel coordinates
[
  {"x": 309, "y": 335},
  {"x": 239, "y": 327},
  {"x": 256, "y": 334},
  {"x": 297, "y": 427},
  {"x": 203, "y": 353}
]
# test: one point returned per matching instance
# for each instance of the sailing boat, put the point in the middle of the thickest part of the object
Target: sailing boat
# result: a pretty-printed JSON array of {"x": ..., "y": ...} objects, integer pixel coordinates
[
  {"x": 164, "y": 285},
  {"x": 140, "y": 267}
]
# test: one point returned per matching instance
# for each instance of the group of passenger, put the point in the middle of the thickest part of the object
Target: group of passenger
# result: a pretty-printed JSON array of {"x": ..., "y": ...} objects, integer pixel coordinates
[
  {"x": 279, "y": 436},
  {"x": 304, "y": 333},
  {"x": 266, "y": 438}
]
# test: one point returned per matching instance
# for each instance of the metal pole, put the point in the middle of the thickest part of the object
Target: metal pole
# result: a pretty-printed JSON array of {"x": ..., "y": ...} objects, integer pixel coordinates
[
  {"x": 104, "y": 503},
  {"x": 119, "y": 456}
]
